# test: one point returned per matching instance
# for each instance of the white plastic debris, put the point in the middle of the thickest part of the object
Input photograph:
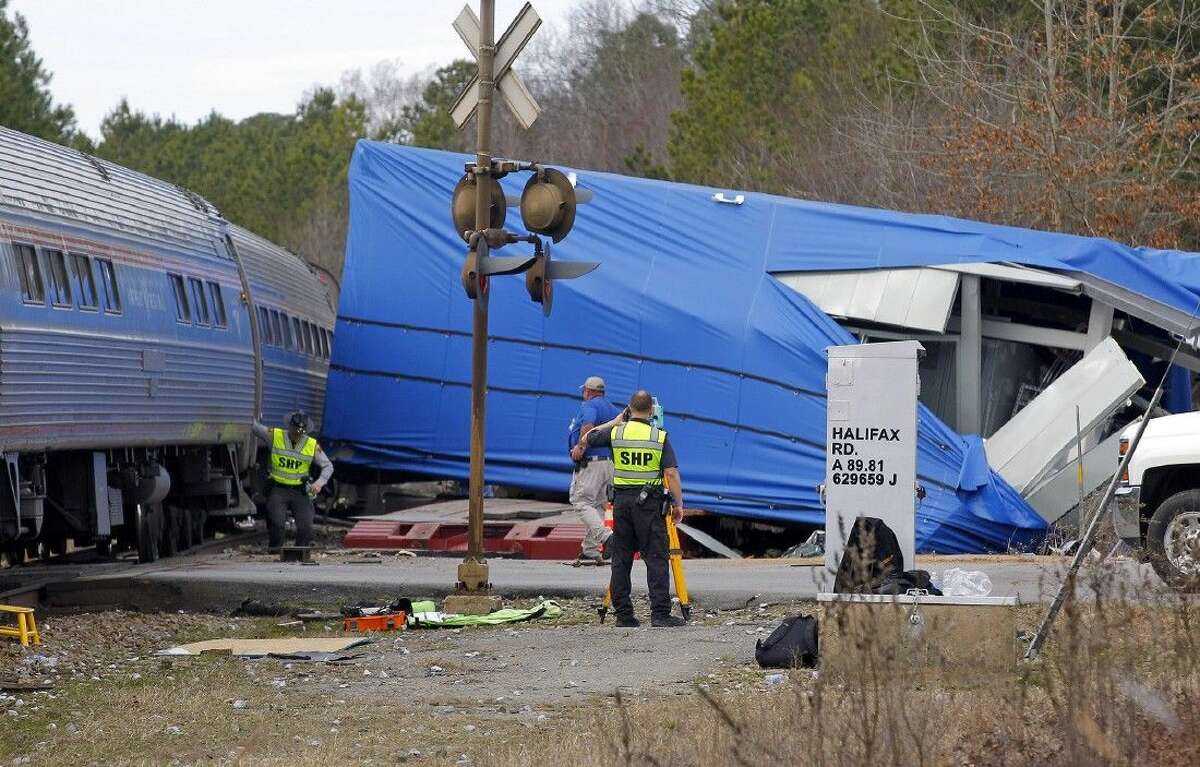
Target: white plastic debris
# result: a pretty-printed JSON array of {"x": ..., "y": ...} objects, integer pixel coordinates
[{"x": 955, "y": 582}]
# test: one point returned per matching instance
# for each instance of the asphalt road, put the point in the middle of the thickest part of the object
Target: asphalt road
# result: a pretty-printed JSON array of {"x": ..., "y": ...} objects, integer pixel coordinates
[{"x": 222, "y": 582}]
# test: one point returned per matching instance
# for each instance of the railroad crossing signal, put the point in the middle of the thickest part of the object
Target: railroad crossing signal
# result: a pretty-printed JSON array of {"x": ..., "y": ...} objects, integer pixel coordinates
[
  {"x": 540, "y": 277},
  {"x": 547, "y": 209},
  {"x": 480, "y": 266},
  {"x": 477, "y": 208},
  {"x": 463, "y": 201},
  {"x": 548, "y": 203},
  {"x": 518, "y": 98}
]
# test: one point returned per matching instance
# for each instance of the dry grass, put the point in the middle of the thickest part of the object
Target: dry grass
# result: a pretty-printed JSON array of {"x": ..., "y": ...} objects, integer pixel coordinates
[
  {"x": 189, "y": 717},
  {"x": 1119, "y": 683}
]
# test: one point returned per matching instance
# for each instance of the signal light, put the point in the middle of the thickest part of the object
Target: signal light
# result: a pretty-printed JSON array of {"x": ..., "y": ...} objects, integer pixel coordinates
[
  {"x": 462, "y": 204},
  {"x": 539, "y": 279},
  {"x": 548, "y": 203},
  {"x": 479, "y": 266}
]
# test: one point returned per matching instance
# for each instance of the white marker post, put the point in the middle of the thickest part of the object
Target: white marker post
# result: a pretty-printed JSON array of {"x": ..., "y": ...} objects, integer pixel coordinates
[{"x": 871, "y": 442}]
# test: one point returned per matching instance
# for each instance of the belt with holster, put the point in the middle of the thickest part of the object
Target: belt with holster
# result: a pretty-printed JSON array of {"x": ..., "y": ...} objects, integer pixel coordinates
[{"x": 582, "y": 462}]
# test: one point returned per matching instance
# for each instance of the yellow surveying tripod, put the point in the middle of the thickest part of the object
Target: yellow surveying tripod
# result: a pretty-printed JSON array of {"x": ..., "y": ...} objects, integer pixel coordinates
[{"x": 675, "y": 554}]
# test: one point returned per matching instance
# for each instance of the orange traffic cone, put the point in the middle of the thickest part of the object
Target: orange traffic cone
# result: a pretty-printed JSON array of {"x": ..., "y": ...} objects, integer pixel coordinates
[{"x": 608, "y": 522}]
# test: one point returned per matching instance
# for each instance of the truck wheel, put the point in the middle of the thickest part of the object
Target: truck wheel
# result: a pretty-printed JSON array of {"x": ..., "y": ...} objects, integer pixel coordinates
[{"x": 1173, "y": 541}]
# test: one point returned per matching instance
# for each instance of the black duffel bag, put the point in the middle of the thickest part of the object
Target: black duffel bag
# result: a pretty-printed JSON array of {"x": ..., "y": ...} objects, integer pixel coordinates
[{"x": 791, "y": 645}]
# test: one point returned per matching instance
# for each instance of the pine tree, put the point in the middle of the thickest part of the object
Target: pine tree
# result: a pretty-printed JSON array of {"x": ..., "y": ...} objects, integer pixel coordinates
[{"x": 25, "y": 101}]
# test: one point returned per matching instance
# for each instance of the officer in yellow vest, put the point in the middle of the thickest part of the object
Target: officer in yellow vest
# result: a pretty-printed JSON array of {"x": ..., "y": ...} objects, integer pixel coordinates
[
  {"x": 643, "y": 460},
  {"x": 293, "y": 452}
]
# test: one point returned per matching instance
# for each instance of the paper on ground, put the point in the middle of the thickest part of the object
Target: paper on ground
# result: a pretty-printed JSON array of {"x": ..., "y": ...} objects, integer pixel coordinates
[{"x": 262, "y": 647}]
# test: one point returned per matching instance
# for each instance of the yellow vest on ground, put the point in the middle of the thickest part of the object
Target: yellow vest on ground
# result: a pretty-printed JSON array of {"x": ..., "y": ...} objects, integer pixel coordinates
[
  {"x": 637, "y": 453},
  {"x": 290, "y": 466}
]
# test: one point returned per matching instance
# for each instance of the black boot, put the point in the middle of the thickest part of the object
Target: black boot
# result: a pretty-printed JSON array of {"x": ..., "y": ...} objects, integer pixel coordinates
[{"x": 667, "y": 621}]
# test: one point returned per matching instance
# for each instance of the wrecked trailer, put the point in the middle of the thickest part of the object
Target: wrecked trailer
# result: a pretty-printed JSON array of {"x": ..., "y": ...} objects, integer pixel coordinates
[{"x": 702, "y": 298}]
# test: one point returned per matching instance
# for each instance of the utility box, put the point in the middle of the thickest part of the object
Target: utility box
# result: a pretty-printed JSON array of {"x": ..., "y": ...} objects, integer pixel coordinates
[
  {"x": 917, "y": 633},
  {"x": 871, "y": 442}
]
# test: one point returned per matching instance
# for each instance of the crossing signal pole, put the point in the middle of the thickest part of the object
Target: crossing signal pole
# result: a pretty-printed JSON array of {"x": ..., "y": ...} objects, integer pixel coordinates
[{"x": 478, "y": 208}]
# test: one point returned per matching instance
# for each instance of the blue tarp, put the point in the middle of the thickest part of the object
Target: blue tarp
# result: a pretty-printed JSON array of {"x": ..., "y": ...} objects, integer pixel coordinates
[{"x": 683, "y": 305}]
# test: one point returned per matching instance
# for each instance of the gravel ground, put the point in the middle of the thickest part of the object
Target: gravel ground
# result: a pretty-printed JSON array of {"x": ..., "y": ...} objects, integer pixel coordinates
[{"x": 431, "y": 695}]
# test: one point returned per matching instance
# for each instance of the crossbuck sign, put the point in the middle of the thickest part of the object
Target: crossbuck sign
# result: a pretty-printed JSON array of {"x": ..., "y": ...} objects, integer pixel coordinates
[{"x": 516, "y": 96}]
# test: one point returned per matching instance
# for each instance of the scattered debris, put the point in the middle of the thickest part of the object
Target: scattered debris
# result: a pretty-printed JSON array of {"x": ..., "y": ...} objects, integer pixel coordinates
[
  {"x": 707, "y": 541},
  {"x": 22, "y": 685},
  {"x": 955, "y": 582},
  {"x": 813, "y": 546},
  {"x": 258, "y": 648},
  {"x": 309, "y": 617},
  {"x": 378, "y": 622},
  {"x": 316, "y": 657},
  {"x": 430, "y": 619},
  {"x": 254, "y": 607}
]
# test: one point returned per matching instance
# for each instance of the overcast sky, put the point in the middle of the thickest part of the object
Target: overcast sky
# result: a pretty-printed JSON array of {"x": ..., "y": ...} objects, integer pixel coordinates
[{"x": 187, "y": 57}]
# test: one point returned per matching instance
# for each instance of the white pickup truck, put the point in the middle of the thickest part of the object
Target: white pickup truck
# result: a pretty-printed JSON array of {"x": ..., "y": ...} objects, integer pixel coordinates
[{"x": 1163, "y": 482}]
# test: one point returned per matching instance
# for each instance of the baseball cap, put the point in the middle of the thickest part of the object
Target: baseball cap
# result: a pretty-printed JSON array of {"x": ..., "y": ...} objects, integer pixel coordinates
[
  {"x": 298, "y": 421},
  {"x": 595, "y": 383}
]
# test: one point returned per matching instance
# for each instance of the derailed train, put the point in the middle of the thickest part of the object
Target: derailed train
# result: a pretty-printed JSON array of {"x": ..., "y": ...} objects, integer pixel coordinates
[{"x": 140, "y": 334}]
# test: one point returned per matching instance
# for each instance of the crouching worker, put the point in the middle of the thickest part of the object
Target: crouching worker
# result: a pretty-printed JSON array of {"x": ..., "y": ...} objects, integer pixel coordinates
[
  {"x": 643, "y": 459},
  {"x": 293, "y": 453}
]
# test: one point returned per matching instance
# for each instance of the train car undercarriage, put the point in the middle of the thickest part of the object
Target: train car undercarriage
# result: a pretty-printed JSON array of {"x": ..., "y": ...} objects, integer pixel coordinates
[{"x": 156, "y": 501}]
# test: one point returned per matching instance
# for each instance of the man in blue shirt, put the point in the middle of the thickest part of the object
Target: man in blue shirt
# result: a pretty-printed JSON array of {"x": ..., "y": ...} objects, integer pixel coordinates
[{"x": 593, "y": 473}]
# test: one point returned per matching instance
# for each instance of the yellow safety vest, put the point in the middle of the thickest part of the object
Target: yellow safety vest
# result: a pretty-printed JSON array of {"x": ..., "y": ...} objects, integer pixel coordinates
[
  {"x": 290, "y": 466},
  {"x": 637, "y": 453}
]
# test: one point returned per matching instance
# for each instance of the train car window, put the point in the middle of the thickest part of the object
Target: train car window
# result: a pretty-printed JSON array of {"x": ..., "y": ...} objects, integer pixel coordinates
[
  {"x": 288, "y": 340},
  {"x": 200, "y": 301},
  {"x": 183, "y": 311},
  {"x": 310, "y": 344},
  {"x": 264, "y": 326},
  {"x": 218, "y": 305},
  {"x": 60, "y": 283},
  {"x": 33, "y": 291},
  {"x": 280, "y": 337},
  {"x": 298, "y": 328},
  {"x": 85, "y": 281},
  {"x": 108, "y": 281}
]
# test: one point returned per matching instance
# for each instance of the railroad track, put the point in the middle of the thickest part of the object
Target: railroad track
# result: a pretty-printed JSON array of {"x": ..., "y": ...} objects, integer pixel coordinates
[{"x": 22, "y": 584}]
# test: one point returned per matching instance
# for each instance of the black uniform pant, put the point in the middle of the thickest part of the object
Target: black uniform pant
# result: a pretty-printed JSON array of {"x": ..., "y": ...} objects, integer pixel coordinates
[
  {"x": 639, "y": 527},
  {"x": 282, "y": 498}
]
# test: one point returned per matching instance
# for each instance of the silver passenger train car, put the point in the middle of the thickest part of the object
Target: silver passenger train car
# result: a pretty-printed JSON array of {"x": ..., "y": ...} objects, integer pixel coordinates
[{"x": 140, "y": 334}]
